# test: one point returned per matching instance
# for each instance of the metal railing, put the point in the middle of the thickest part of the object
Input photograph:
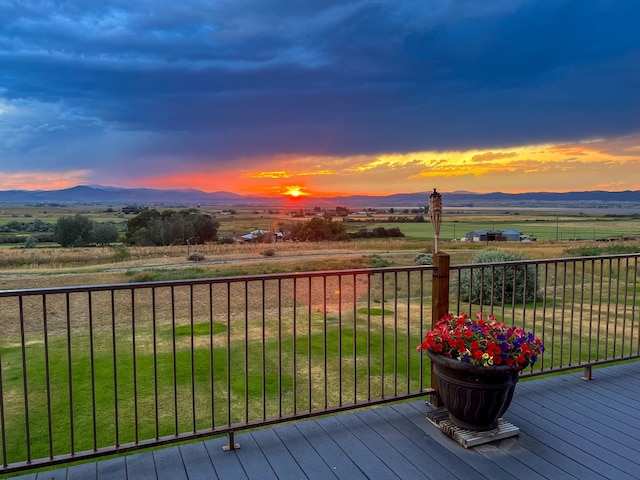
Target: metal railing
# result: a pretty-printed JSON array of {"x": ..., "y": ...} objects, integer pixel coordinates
[
  {"x": 96, "y": 370},
  {"x": 585, "y": 310}
]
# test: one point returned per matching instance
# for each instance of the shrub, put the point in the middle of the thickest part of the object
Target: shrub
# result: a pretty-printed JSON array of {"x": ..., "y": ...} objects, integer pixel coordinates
[
  {"x": 268, "y": 252},
  {"x": 120, "y": 253},
  {"x": 493, "y": 285},
  {"x": 196, "y": 257},
  {"x": 31, "y": 242},
  {"x": 142, "y": 276},
  {"x": 423, "y": 259},
  {"x": 584, "y": 251},
  {"x": 376, "y": 261}
]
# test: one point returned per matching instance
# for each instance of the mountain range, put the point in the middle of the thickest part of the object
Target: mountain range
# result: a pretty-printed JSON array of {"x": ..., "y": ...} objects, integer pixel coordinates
[{"x": 104, "y": 195}]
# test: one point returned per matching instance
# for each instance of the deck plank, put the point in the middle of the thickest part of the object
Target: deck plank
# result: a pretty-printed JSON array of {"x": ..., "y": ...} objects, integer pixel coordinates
[
  {"x": 336, "y": 458},
  {"x": 88, "y": 471},
  {"x": 313, "y": 465},
  {"x": 582, "y": 438},
  {"x": 197, "y": 463},
  {"x": 463, "y": 459},
  {"x": 359, "y": 453},
  {"x": 280, "y": 459},
  {"x": 569, "y": 429},
  {"x": 112, "y": 469},
  {"x": 583, "y": 406},
  {"x": 169, "y": 464},
  {"x": 141, "y": 466},
  {"x": 225, "y": 464},
  {"x": 369, "y": 434},
  {"x": 610, "y": 423},
  {"x": 415, "y": 445},
  {"x": 252, "y": 458}
]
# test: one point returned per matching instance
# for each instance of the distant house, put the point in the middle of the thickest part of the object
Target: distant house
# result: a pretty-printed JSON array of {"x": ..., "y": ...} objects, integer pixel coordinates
[
  {"x": 493, "y": 236},
  {"x": 263, "y": 236}
]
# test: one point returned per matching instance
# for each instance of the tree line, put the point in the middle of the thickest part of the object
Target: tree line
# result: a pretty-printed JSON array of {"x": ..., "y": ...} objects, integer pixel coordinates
[
  {"x": 150, "y": 227},
  {"x": 170, "y": 227}
]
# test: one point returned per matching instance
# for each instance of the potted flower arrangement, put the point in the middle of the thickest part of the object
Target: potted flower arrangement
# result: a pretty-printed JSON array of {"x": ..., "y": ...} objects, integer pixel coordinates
[{"x": 477, "y": 364}]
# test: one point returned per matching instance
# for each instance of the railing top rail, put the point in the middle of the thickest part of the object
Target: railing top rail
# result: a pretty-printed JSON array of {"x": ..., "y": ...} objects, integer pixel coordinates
[
  {"x": 211, "y": 280},
  {"x": 286, "y": 276},
  {"x": 463, "y": 266}
]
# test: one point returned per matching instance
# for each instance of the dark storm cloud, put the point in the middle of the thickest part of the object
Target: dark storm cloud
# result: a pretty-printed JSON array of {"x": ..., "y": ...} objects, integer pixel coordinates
[{"x": 221, "y": 80}]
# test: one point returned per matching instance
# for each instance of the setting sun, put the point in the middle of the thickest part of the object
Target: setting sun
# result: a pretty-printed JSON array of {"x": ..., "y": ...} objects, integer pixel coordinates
[{"x": 294, "y": 191}]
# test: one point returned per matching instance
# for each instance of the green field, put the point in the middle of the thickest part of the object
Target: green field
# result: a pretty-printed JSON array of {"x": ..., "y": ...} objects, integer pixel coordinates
[{"x": 542, "y": 225}]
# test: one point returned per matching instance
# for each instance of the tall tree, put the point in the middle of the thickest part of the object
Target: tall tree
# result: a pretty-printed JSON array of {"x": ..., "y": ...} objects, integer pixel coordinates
[{"x": 76, "y": 231}]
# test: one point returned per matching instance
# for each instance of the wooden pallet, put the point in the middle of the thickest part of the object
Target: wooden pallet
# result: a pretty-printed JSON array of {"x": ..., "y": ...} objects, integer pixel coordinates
[{"x": 469, "y": 438}]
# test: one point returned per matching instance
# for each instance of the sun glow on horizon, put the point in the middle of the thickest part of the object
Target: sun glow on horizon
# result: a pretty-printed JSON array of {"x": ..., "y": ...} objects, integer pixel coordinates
[
  {"x": 577, "y": 166},
  {"x": 295, "y": 191}
]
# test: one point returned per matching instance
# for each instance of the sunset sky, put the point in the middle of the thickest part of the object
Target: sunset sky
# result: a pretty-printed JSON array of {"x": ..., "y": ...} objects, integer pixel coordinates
[{"x": 326, "y": 97}]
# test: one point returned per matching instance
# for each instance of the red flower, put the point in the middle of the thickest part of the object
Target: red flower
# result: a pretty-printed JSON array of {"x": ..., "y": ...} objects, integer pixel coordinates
[{"x": 468, "y": 340}]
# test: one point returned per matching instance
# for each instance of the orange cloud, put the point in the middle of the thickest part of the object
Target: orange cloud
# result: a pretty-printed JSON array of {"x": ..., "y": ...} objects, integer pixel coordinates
[
  {"x": 266, "y": 175},
  {"x": 43, "y": 180},
  {"x": 578, "y": 166},
  {"x": 483, "y": 157}
]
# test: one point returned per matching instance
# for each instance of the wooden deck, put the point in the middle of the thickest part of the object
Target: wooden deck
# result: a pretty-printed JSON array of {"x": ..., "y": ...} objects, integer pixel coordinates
[{"x": 569, "y": 429}]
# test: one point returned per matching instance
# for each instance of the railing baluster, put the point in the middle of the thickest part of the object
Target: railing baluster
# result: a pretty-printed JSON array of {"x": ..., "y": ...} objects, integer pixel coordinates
[
  {"x": 94, "y": 413},
  {"x": 309, "y": 344},
  {"x": 193, "y": 361},
  {"x": 562, "y": 313},
  {"x": 228, "y": 351},
  {"x": 263, "y": 351},
  {"x": 3, "y": 425},
  {"x": 136, "y": 421},
  {"x": 382, "y": 335},
  {"x": 608, "y": 322},
  {"x": 340, "y": 335},
  {"x": 598, "y": 334},
  {"x": 246, "y": 352},
  {"x": 25, "y": 382},
  {"x": 154, "y": 334},
  {"x": 593, "y": 275},
  {"x": 47, "y": 373},
  {"x": 279, "y": 348},
  {"x": 114, "y": 353},
  {"x": 633, "y": 307},
  {"x": 633, "y": 310},
  {"x": 581, "y": 313},
  {"x": 174, "y": 361},
  {"x": 545, "y": 289},
  {"x": 616, "y": 310},
  {"x": 355, "y": 339},
  {"x": 324, "y": 340},
  {"x": 70, "y": 375},
  {"x": 624, "y": 308},
  {"x": 408, "y": 350},
  {"x": 212, "y": 376},
  {"x": 395, "y": 333},
  {"x": 369, "y": 277},
  {"x": 422, "y": 327}
]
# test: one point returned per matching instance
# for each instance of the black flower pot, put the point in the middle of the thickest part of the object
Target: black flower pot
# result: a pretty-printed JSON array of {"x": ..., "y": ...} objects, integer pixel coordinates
[{"x": 475, "y": 396}]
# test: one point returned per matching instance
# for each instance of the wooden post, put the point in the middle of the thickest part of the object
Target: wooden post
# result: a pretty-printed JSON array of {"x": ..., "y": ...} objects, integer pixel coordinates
[{"x": 439, "y": 304}]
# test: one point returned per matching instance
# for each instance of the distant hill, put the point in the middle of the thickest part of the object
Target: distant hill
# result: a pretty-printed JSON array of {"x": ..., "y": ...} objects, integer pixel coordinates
[{"x": 97, "y": 194}]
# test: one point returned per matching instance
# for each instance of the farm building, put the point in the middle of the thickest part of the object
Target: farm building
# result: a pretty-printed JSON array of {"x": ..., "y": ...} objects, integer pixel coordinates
[
  {"x": 494, "y": 236},
  {"x": 262, "y": 236}
]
